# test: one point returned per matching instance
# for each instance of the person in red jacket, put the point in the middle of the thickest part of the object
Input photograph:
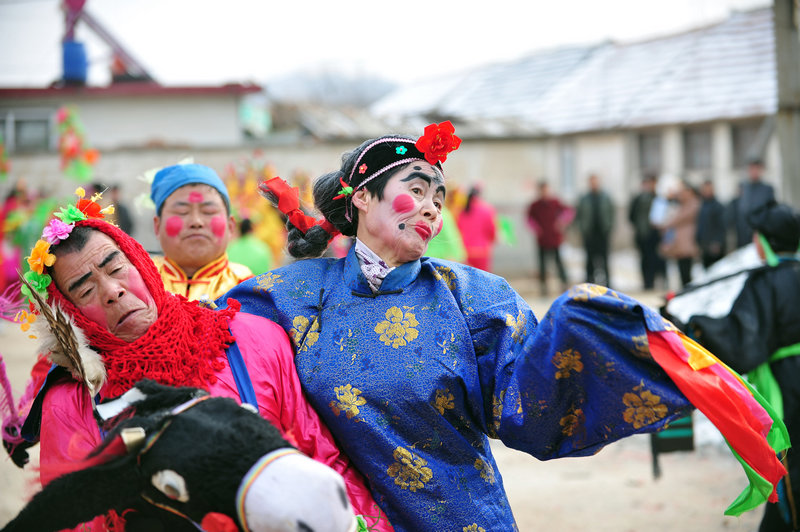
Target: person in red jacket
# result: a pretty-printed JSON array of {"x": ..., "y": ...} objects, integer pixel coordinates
[{"x": 548, "y": 217}]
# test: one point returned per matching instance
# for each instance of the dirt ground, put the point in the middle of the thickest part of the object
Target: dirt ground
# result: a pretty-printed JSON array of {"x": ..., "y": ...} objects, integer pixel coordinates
[{"x": 613, "y": 491}]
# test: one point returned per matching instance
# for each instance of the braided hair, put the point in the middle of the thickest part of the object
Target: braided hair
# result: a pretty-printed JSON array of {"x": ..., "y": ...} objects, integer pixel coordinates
[{"x": 313, "y": 242}]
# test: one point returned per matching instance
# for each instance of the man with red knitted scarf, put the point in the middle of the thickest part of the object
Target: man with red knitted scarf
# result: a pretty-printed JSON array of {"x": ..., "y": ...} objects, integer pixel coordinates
[{"x": 107, "y": 284}]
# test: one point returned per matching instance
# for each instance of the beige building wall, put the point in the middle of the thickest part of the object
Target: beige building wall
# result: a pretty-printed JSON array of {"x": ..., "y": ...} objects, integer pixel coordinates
[{"x": 507, "y": 169}]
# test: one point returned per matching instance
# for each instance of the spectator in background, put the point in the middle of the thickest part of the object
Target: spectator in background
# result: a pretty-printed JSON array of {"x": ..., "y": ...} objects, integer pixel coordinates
[
  {"x": 250, "y": 250},
  {"x": 448, "y": 244},
  {"x": 680, "y": 229},
  {"x": 193, "y": 223},
  {"x": 122, "y": 216},
  {"x": 711, "y": 229},
  {"x": 753, "y": 194},
  {"x": 646, "y": 234},
  {"x": 478, "y": 230},
  {"x": 595, "y": 219},
  {"x": 548, "y": 217}
]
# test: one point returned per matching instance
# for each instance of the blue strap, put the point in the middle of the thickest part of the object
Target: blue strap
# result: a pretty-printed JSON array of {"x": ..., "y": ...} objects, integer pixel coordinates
[{"x": 240, "y": 374}]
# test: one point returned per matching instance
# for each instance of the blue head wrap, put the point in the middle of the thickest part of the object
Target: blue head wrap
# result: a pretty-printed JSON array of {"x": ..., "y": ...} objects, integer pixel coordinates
[{"x": 171, "y": 178}]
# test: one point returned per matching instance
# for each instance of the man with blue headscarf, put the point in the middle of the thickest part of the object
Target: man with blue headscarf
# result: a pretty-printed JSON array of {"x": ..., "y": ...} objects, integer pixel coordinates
[{"x": 193, "y": 223}]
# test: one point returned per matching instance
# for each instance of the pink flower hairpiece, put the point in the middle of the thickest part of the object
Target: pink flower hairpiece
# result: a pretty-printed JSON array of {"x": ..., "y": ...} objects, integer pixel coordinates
[{"x": 56, "y": 230}]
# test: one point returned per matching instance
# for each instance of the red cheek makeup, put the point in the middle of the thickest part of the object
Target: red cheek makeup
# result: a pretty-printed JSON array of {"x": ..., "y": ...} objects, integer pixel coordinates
[
  {"x": 218, "y": 226},
  {"x": 173, "y": 226},
  {"x": 403, "y": 203}
]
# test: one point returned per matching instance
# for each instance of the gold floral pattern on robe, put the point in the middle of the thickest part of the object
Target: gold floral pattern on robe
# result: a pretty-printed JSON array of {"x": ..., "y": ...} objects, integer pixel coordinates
[
  {"x": 587, "y": 291},
  {"x": 518, "y": 324},
  {"x": 347, "y": 401},
  {"x": 641, "y": 346},
  {"x": 570, "y": 423},
  {"x": 266, "y": 281},
  {"x": 399, "y": 327},
  {"x": 643, "y": 407},
  {"x": 409, "y": 471},
  {"x": 443, "y": 273},
  {"x": 567, "y": 361},
  {"x": 443, "y": 400},
  {"x": 486, "y": 471},
  {"x": 300, "y": 327},
  {"x": 473, "y": 528}
]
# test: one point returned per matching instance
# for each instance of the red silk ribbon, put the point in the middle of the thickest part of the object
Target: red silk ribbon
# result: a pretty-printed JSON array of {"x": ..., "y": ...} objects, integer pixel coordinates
[{"x": 289, "y": 204}]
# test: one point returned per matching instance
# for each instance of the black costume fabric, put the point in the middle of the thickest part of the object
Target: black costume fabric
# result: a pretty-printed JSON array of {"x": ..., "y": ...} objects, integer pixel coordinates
[{"x": 764, "y": 318}]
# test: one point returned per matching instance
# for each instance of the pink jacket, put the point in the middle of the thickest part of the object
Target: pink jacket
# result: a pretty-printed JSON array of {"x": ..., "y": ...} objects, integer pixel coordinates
[{"x": 69, "y": 431}]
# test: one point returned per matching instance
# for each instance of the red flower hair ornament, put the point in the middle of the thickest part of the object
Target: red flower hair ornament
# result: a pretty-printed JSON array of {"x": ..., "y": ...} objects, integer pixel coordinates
[{"x": 437, "y": 141}]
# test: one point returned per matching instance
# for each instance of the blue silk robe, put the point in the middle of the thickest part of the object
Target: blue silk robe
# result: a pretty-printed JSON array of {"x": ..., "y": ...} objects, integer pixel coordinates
[{"x": 413, "y": 380}]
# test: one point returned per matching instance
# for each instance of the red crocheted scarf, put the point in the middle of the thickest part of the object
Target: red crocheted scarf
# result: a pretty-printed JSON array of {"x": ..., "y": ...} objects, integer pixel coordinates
[{"x": 184, "y": 347}]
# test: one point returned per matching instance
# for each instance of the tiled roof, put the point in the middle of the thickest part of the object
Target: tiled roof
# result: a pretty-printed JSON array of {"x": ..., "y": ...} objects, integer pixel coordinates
[{"x": 721, "y": 71}]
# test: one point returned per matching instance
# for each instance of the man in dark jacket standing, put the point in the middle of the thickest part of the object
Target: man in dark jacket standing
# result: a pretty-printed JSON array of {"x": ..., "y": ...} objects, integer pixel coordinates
[
  {"x": 646, "y": 235},
  {"x": 760, "y": 336},
  {"x": 595, "y": 219},
  {"x": 711, "y": 229},
  {"x": 753, "y": 194}
]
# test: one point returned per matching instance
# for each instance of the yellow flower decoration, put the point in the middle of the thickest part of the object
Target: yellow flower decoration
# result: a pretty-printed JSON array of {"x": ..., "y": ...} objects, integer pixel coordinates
[
  {"x": 443, "y": 400},
  {"x": 473, "y": 528},
  {"x": 644, "y": 408},
  {"x": 299, "y": 326},
  {"x": 399, "y": 328},
  {"x": 409, "y": 471},
  {"x": 266, "y": 281},
  {"x": 572, "y": 421},
  {"x": 487, "y": 473},
  {"x": 25, "y": 319},
  {"x": 347, "y": 400},
  {"x": 41, "y": 256},
  {"x": 518, "y": 325},
  {"x": 566, "y": 361},
  {"x": 447, "y": 275}
]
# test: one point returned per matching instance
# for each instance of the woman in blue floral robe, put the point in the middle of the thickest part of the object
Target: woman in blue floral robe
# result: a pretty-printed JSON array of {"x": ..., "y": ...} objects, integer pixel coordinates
[{"x": 414, "y": 362}]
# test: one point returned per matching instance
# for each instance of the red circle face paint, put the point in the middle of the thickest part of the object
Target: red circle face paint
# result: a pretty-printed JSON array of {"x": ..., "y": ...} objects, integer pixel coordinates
[
  {"x": 174, "y": 225},
  {"x": 439, "y": 227},
  {"x": 218, "y": 226},
  {"x": 195, "y": 197},
  {"x": 403, "y": 203}
]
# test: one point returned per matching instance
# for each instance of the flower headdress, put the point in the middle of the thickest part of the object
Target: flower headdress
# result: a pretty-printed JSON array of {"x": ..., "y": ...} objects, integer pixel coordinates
[
  {"x": 56, "y": 230},
  {"x": 436, "y": 142}
]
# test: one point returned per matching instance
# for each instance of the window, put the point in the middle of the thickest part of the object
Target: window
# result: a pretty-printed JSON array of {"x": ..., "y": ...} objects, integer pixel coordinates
[
  {"x": 745, "y": 136},
  {"x": 27, "y": 129},
  {"x": 650, "y": 152},
  {"x": 31, "y": 135},
  {"x": 567, "y": 160},
  {"x": 697, "y": 148}
]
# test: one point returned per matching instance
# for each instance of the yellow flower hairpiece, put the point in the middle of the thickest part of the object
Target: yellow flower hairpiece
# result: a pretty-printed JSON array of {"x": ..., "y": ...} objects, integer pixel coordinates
[{"x": 56, "y": 230}]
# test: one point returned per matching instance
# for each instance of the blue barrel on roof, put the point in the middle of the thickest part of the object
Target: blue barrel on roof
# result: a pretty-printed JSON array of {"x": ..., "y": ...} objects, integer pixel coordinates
[{"x": 75, "y": 62}]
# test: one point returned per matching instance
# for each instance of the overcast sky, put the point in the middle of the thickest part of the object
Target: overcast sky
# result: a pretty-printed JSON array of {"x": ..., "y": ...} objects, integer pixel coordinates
[{"x": 212, "y": 42}]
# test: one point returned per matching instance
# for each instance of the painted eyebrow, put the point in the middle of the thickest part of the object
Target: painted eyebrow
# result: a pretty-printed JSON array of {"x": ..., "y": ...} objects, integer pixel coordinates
[
  {"x": 415, "y": 175},
  {"x": 190, "y": 203},
  {"x": 85, "y": 277},
  {"x": 427, "y": 179}
]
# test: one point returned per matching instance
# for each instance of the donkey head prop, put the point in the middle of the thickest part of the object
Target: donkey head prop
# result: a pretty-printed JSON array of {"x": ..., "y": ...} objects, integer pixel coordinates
[{"x": 176, "y": 456}]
